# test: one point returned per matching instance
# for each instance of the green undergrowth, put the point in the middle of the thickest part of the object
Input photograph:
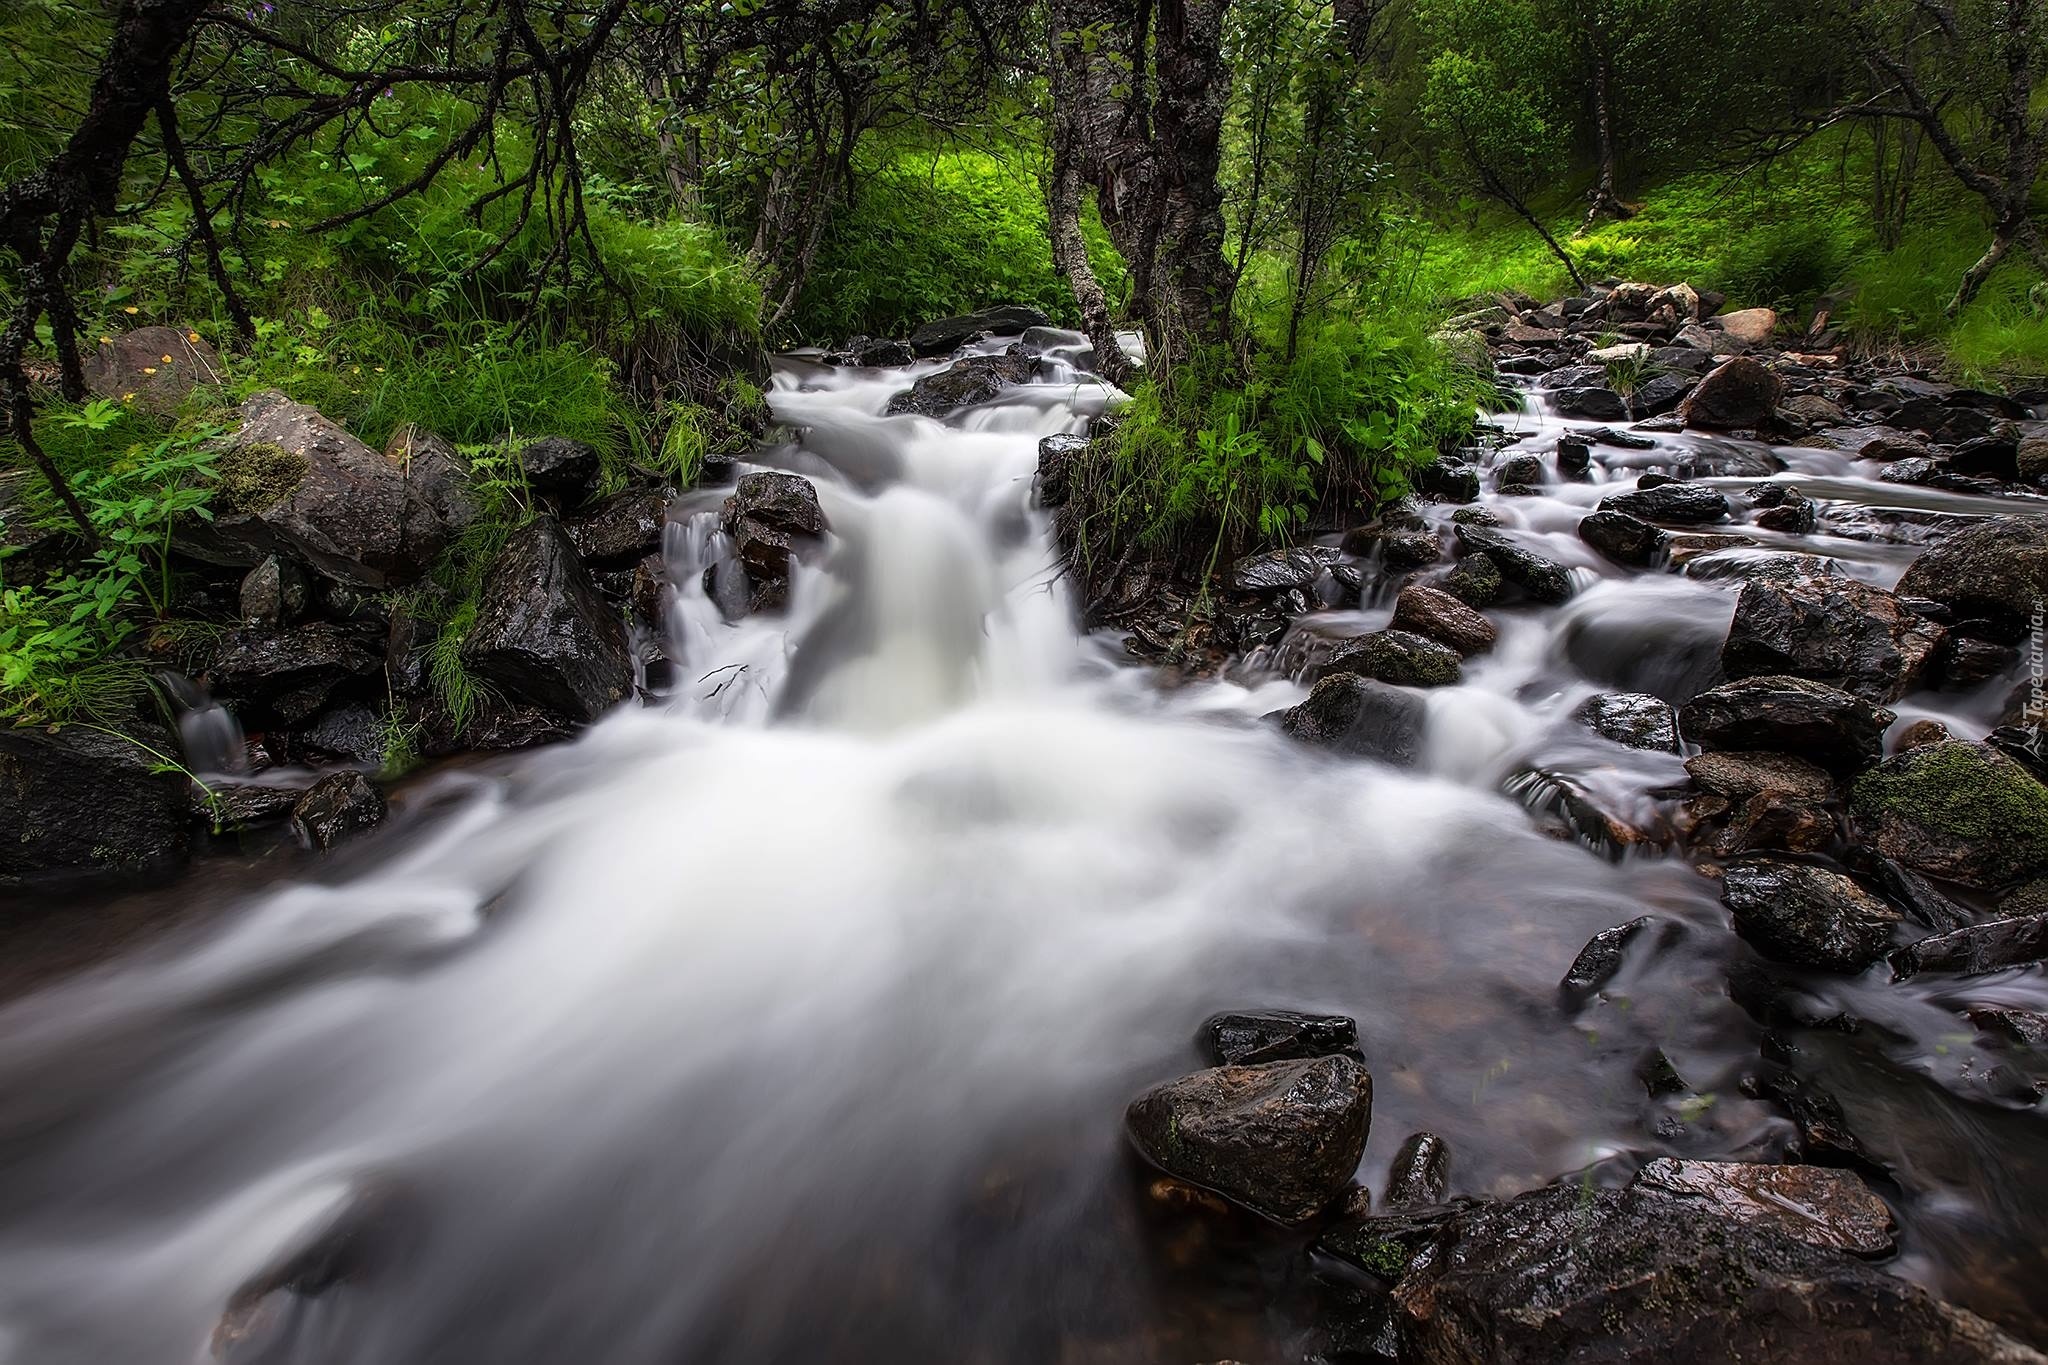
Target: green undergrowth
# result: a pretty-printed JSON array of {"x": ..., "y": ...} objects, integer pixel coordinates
[
  {"x": 1782, "y": 240},
  {"x": 933, "y": 233}
]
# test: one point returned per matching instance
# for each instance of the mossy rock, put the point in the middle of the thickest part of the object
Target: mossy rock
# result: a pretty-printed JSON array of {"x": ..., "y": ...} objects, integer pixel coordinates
[
  {"x": 256, "y": 477},
  {"x": 1960, "y": 811}
]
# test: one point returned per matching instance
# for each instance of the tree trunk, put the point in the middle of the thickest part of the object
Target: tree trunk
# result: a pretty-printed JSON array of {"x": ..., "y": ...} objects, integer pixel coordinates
[
  {"x": 1606, "y": 199},
  {"x": 1070, "y": 259}
]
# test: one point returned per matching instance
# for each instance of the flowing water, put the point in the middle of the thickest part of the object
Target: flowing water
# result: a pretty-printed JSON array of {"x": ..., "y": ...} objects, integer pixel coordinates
[{"x": 791, "y": 1017}]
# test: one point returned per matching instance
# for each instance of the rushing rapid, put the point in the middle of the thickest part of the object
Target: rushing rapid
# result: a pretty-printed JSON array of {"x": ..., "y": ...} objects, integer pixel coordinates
[{"x": 791, "y": 1016}]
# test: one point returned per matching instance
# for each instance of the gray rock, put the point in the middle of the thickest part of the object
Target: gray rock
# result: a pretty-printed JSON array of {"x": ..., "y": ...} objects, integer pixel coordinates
[
  {"x": 1360, "y": 718},
  {"x": 335, "y": 808},
  {"x": 1057, "y": 457},
  {"x": 1625, "y": 539},
  {"x": 273, "y": 594},
  {"x": 80, "y": 806},
  {"x": 1833, "y": 629},
  {"x": 1806, "y": 915},
  {"x": 1635, "y": 720},
  {"x": 152, "y": 368},
  {"x": 976, "y": 379},
  {"x": 542, "y": 635},
  {"x": 1836, "y": 729},
  {"x": 1442, "y": 617},
  {"x": 1396, "y": 656},
  {"x": 1281, "y": 1138},
  {"x": 558, "y": 467},
  {"x": 1543, "y": 579},
  {"x": 1680, "y": 503},
  {"x": 1995, "y": 571},
  {"x": 1977, "y": 948}
]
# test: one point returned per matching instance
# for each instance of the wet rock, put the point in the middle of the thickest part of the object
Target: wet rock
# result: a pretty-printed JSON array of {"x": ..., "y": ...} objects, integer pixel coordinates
[
  {"x": 1361, "y": 718},
  {"x": 2018, "y": 1026},
  {"x": 648, "y": 593},
  {"x": 293, "y": 484},
  {"x": 1868, "y": 443},
  {"x": 1396, "y": 656},
  {"x": 977, "y": 379},
  {"x": 1595, "y": 402},
  {"x": 81, "y": 806},
  {"x": 1805, "y": 411},
  {"x": 1543, "y": 579},
  {"x": 1574, "y": 457},
  {"x": 1622, "y": 440},
  {"x": 436, "y": 474},
  {"x": 1421, "y": 1174},
  {"x": 1825, "y": 1138},
  {"x": 286, "y": 677},
  {"x": 864, "y": 352},
  {"x": 1423, "y": 610},
  {"x": 622, "y": 529},
  {"x": 1405, "y": 550},
  {"x": 1969, "y": 663},
  {"x": 1601, "y": 958},
  {"x": 1251, "y": 1037},
  {"x": 947, "y": 335},
  {"x": 1565, "y": 807},
  {"x": 558, "y": 467},
  {"x": 1448, "y": 480},
  {"x": 1281, "y": 1138},
  {"x": 151, "y": 368},
  {"x": 1833, "y": 629},
  {"x": 1638, "y": 1277},
  {"x": 1920, "y": 734},
  {"x": 273, "y": 594},
  {"x": 1057, "y": 457},
  {"x": 1772, "y": 822},
  {"x": 350, "y": 732},
  {"x": 1740, "y": 776},
  {"x": 1922, "y": 901},
  {"x": 1738, "y": 394},
  {"x": 239, "y": 805},
  {"x": 1624, "y": 539},
  {"x": 1680, "y": 503},
  {"x": 1961, "y": 812},
  {"x": 542, "y": 635},
  {"x": 2030, "y": 459},
  {"x": 1977, "y": 948},
  {"x": 1475, "y": 580},
  {"x": 1824, "y": 1208},
  {"x": 1659, "y": 1075},
  {"x": 1806, "y": 915},
  {"x": 1475, "y": 516},
  {"x": 1992, "y": 457},
  {"x": 1635, "y": 720},
  {"x": 767, "y": 515},
  {"x": 1795, "y": 516},
  {"x": 1525, "y": 468},
  {"x": 1280, "y": 570},
  {"x": 336, "y": 807},
  {"x": 1993, "y": 573},
  {"x": 1661, "y": 394},
  {"x": 1836, "y": 729}
]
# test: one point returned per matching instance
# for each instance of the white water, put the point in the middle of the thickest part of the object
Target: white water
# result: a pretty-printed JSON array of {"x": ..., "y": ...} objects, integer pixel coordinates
[{"x": 792, "y": 1019}]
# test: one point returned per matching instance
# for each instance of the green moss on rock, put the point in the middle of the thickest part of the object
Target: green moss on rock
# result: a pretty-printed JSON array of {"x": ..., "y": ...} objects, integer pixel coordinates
[
  {"x": 1957, "y": 810},
  {"x": 258, "y": 476}
]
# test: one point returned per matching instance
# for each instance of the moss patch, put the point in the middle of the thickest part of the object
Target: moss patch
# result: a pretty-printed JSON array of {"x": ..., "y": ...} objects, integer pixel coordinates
[
  {"x": 258, "y": 476},
  {"x": 1976, "y": 813}
]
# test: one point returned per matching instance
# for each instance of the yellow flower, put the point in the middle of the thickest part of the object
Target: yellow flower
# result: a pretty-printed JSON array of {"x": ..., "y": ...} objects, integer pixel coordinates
[
  {"x": 131, "y": 308},
  {"x": 149, "y": 369},
  {"x": 167, "y": 360},
  {"x": 380, "y": 369},
  {"x": 127, "y": 398},
  {"x": 192, "y": 336},
  {"x": 106, "y": 341}
]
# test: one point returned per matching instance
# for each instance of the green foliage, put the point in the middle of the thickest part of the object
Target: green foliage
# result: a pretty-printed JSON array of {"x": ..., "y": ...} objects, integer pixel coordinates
[{"x": 933, "y": 233}]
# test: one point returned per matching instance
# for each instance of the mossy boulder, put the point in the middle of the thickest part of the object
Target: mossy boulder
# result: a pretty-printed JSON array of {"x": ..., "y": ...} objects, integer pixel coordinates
[{"x": 1964, "y": 812}]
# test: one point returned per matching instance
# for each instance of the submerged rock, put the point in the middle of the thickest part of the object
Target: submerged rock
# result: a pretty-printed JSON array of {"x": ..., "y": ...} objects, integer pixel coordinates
[
  {"x": 1686, "y": 504},
  {"x": 1807, "y": 915},
  {"x": 336, "y": 807},
  {"x": 1977, "y": 948},
  {"x": 1281, "y": 1138},
  {"x": 1825, "y": 1208},
  {"x": 947, "y": 335},
  {"x": 1361, "y": 718},
  {"x": 80, "y": 806},
  {"x": 1962, "y": 812},
  {"x": 1779, "y": 714},
  {"x": 1249, "y": 1037},
  {"x": 542, "y": 635},
  {"x": 1835, "y": 630},
  {"x": 1601, "y": 958},
  {"x": 1638, "y": 1277}
]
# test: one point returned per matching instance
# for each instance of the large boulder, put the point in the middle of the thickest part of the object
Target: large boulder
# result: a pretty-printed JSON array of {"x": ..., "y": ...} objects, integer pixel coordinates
[
  {"x": 622, "y": 530},
  {"x": 1750, "y": 326},
  {"x": 1833, "y": 629},
  {"x": 1738, "y": 394},
  {"x": 1962, "y": 812},
  {"x": 1779, "y": 714},
  {"x": 293, "y": 484},
  {"x": 1282, "y": 1138},
  {"x": 1360, "y": 718},
  {"x": 768, "y": 516},
  {"x": 79, "y": 805},
  {"x": 1571, "y": 1275},
  {"x": 1807, "y": 915},
  {"x": 286, "y": 677},
  {"x": 947, "y": 335},
  {"x": 1688, "y": 504},
  {"x": 1993, "y": 574},
  {"x": 436, "y": 473},
  {"x": 1396, "y": 656},
  {"x": 1625, "y": 539},
  {"x": 151, "y": 368},
  {"x": 977, "y": 379},
  {"x": 542, "y": 635}
]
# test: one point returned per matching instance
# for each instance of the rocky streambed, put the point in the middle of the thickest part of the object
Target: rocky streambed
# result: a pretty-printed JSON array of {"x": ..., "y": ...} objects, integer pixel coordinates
[{"x": 1592, "y": 911}]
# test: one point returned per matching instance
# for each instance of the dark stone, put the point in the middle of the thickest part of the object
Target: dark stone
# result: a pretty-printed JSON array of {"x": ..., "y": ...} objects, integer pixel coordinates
[
  {"x": 1405, "y": 550},
  {"x": 1806, "y": 915},
  {"x": 1825, "y": 1138},
  {"x": 864, "y": 352},
  {"x": 1281, "y": 1138},
  {"x": 1624, "y": 539},
  {"x": 1574, "y": 457},
  {"x": 1424, "y": 610},
  {"x": 286, "y": 677},
  {"x": 351, "y": 732},
  {"x": 239, "y": 805},
  {"x": 1396, "y": 656},
  {"x": 2019, "y": 1026},
  {"x": 151, "y": 368},
  {"x": 766, "y": 516},
  {"x": 947, "y": 335},
  {"x": 1970, "y": 663},
  {"x": 1361, "y": 718},
  {"x": 1661, "y": 394},
  {"x": 1621, "y": 440},
  {"x": 1795, "y": 516},
  {"x": 1965, "y": 813},
  {"x": 1740, "y": 776},
  {"x": 1543, "y": 579},
  {"x": 1659, "y": 1076},
  {"x": 1421, "y": 1175},
  {"x": 1571, "y": 1275},
  {"x": 1681, "y": 503},
  {"x": 1836, "y": 729},
  {"x": 1977, "y": 948},
  {"x": 1474, "y": 580},
  {"x": 81, "y": 806},
  {"x": 1280, "y": 570},
  {"x": 436, "y": 473},
  {"x": 1447, "y": 480},
  {"x": 976, "y": 379},
  {"x": 1526, "y": 469},
  {"x": 1597, "y": 403},
  {"x": 1251, "y": 1037},
  {"x": 1991, "y": 457},
  {"x": 273, "y": 594},
  {"x": 1599, "y": 961},
  {"x": 1634, "y": 720},
  {"x": 336, "y": 807},
  {"x": 542, "y": 635},
  {"x": 1830, "y": 1209},
  {"x": 1740, "y": 393},
  {"x": 1833, "y": 629},
  {"x": 620, "y": 530},
  {"x": 1057, "y": 456},
  {"x": 558, "y": 467},
  {"x": 1994, "y": 572}
]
